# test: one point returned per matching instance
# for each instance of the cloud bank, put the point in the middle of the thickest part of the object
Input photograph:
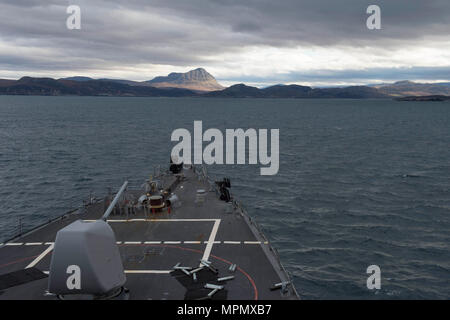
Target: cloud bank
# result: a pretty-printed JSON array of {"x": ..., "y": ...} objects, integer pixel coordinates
[{"x": 258, "y": 41}]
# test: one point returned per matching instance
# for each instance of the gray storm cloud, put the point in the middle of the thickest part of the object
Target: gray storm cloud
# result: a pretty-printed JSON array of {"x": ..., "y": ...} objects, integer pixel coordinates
[{"x": 118, "y": 34}]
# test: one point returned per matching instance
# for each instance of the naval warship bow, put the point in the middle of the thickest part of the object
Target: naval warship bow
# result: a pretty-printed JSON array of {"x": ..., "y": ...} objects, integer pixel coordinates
[{"x": 181, "y": 235}]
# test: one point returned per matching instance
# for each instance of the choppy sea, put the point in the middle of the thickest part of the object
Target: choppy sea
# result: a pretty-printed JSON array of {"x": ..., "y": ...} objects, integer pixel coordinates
[{"x": 361, "y": 182}]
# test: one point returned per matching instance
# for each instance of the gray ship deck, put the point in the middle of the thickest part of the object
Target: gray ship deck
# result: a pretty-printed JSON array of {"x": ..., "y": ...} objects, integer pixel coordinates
[{"x": 150, "y": 245}]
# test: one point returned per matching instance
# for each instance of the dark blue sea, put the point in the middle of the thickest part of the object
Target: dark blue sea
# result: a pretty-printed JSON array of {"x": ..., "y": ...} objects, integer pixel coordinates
[{"x": 361, "y": 182}]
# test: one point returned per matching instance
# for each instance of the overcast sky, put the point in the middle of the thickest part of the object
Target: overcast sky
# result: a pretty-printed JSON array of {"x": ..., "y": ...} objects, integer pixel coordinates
[{"x": 259, "y": 42}]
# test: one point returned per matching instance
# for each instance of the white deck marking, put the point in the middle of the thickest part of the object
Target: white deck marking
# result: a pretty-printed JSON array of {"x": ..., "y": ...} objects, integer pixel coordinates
[
  {"x": 252, "y": 242},
  {"x": 232, "y": 242},
  {"x": 138, "y": 271},
  {"x": 182, "y": 220},
  {"x": 142, "y": 242},
  {"x": 40, "y": 257},
  {"x": 122, "y": 220},
  {"x": 149, "y": 271},
  {"x": 211, "y": 239}
]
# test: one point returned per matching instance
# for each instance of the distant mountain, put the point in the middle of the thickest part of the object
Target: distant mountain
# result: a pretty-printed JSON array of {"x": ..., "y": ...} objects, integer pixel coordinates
[
  {"x": 296, "y": 91},
  {"x": 353, "y": 92},
  {"x": 200, "y": 83},
  {"x": 409, "y": 88},
  {"x": 287, "y": 91},
  {"x": 77, "y": 78},
  {"x": 129, "y": 82},
  {"x": 109, "y": 87},
  {"x": 52, "y": 87},
  {"x": 198, "y": 80},
  {"x": 237, "y": 91}
]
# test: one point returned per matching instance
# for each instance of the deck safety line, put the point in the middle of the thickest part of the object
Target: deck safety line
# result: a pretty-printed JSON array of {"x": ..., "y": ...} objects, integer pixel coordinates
[
  {"x": 17, "y": 261},
  {"x": 142, "y": 242}
]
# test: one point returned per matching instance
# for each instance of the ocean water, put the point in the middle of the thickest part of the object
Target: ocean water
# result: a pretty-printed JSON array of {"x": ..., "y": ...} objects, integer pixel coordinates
[{"x": 361, "y": 182}]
